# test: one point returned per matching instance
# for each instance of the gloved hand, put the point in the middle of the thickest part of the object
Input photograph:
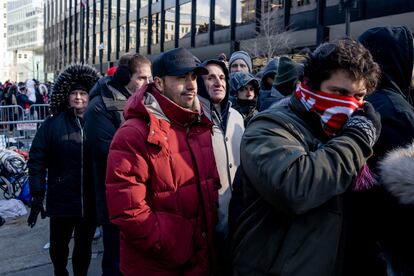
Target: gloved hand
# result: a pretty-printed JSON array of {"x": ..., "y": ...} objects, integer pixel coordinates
[
  {"x": 36, "y": 208},
  {"x": 368, "y": 121}
]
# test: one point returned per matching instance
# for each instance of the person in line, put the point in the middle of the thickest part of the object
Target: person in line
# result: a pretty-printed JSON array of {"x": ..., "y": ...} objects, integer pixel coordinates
[
  {"x": 287, "y": 76},
  {"x": 227, "y": 132},
  {"x": 299, "y": 161},
  {"x": 268, "y": 94},
  {"x": 386, "y": 220},
  {"x": 162, "y": 181},
  {"x": 240, "y": 61},
  {"x": 102, "y": 118},
  {"x": 245, "y": 88},
  {"x": 58, "y": 150}
]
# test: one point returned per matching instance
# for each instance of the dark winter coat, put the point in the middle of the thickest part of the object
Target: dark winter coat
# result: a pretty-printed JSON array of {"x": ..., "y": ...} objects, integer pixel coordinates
[
  {"x": 162, "y": 187},
  {"x": 294, "y": 186},
  {"x": 59, "y": 147},
  {"x": 387, "y": 221},
  {"x": 247, "y": 108},
  {"x": 102, "y": 118}
]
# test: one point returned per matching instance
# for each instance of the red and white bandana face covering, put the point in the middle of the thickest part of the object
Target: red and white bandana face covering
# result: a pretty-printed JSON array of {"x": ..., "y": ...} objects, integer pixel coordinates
[{"x": 334, "y": 110}]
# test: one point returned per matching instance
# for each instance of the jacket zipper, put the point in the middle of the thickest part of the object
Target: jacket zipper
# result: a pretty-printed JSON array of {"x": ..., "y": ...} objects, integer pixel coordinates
[
  {"x": 204, "y": 211},
  {"x": 82, "y": 136}
]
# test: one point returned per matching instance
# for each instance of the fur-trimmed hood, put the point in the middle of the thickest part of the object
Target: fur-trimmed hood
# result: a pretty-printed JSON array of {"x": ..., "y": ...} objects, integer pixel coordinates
[{"x": 397, "y": 173}]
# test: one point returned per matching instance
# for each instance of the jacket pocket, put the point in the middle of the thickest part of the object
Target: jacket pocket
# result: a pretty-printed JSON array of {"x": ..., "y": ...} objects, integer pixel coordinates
[{"x": 176, "y": 244}]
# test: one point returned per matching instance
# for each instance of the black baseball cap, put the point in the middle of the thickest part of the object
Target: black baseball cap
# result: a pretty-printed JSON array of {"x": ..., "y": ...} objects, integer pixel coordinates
[{"x": 177, "y": 62}]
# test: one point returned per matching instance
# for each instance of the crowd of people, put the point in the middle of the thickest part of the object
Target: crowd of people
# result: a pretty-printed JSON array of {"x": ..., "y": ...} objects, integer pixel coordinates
[
  {"x": 202, "y": 168},
  {"x": 24, "y": 94}
]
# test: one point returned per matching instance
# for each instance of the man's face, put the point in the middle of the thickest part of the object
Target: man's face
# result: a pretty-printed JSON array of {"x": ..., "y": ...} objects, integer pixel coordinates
[
  {"x": 182, "y": 90},
  {"x": 215, "y": 83},
  {"x": 141, "y": 76},
  {"x": 246, "y": 92},
  {"x": 340, "y": 83},
  {"x": 239, "y": 65}
]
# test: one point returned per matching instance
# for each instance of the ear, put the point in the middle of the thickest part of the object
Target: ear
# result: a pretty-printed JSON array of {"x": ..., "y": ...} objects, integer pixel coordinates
[{"x": 159, "y": 84}]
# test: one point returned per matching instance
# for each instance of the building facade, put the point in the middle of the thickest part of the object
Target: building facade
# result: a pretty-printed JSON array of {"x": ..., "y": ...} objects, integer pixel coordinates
[
  {"x": 5, "y": 56},
  {"x": 25, "y": 39},
  {"x": 98, "y": 32}
]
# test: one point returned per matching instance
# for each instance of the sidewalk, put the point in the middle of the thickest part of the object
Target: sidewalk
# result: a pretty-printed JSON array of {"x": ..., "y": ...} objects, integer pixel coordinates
[{"x": 22, "y": 252}]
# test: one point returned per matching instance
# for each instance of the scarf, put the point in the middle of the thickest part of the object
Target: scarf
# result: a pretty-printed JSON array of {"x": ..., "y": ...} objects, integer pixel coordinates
[{"x": 334, "y": 110}]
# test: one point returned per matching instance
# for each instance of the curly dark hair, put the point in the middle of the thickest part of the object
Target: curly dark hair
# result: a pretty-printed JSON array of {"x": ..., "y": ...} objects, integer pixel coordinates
[
  {"x": 73, "y": 76},
  {"x": 342, "y": 54}
]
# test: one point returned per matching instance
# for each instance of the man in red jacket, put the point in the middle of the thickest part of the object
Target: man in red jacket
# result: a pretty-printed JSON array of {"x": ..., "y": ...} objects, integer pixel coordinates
[{"x": 162, "y": 180}]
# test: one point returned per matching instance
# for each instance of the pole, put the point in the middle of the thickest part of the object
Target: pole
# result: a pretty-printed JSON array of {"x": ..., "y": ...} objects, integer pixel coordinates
[
  {"x": 100, "y": 59},
  {"x": 347, "y": 20},
  {"x": 82, "y": 33},
  {"x": 37, "y": 69}
]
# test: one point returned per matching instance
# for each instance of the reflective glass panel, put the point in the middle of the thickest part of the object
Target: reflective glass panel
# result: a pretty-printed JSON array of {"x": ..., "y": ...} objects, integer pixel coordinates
[
  {"x": 185, "y": 20},
  {"x": 222, "y": 14},
  {"x": 203, "y": 16},
  {"x": 169, "y": 24}
]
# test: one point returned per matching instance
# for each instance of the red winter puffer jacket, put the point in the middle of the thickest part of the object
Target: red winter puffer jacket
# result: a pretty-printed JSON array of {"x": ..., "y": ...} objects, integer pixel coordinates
[{"x": 161, "y": 188}]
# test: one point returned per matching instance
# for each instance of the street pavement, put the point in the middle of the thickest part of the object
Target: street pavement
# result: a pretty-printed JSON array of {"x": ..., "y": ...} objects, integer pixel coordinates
[{"x": 22, "y": 253}]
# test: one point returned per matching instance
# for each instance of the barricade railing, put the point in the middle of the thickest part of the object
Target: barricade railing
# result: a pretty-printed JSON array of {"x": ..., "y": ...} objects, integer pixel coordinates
[{"x": 18, "y": 126}]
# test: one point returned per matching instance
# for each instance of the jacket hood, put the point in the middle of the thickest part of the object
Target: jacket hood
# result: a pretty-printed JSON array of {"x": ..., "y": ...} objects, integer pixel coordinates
[
  {"x": 96, "y": 89},
  {"x": 240, "y": 79},
  {"x": 270, "y": 69},
  {"x": 392, "y": 49},
  {"x": 105, "y": 86},
  {"x": 202, "y": 90},
  {"x": 397, "y": 173}
]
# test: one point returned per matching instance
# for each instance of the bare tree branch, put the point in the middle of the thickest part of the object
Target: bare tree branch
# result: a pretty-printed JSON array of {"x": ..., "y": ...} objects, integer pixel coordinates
[{"x": 272, "y": 39}]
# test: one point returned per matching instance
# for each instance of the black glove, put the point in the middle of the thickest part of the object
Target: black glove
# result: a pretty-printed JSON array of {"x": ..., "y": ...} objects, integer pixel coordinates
[
  {"x": 36, "y": 208},
  {"x": 368, "y": 121}
]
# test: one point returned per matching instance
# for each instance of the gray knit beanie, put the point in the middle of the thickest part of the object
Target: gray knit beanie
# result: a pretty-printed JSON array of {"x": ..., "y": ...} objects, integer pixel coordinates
[{"x": 241, "y": 55}]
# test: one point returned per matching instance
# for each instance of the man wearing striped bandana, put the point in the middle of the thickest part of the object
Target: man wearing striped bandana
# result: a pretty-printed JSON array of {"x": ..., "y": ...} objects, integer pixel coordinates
[{"x": 300, "y": 160}]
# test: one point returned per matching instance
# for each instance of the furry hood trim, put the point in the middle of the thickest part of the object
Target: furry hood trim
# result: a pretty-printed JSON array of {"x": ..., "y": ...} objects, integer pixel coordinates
[{"x": 397, "y": 173}]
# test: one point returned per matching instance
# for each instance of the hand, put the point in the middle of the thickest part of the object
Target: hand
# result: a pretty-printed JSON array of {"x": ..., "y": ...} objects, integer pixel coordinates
[
  {"x": 36, "y": 208},
  {"x": 367, "y": 120}
]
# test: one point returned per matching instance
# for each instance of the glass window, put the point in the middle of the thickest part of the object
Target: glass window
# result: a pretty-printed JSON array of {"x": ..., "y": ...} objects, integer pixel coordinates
[
  {"x": 123, "y": 8},
  {"x": 169, "y": 24},
  {"x": 122, "y": 37},
  {"x": 144, "y": 3},
  {"x": 245, "y": 11},
  {"x": 113, "y": 40},
  {"x": 105, "y": 43},
  {"x": 132, "y": 34},
  {"x": 222, "y": 14},
  {"x": 156, "y": 28},
  {"x": 143, "y": 31},
  {"x": 113, "y": 11},
  {"x": 133, "y": 5},
  {"x": 89, "y": 55},
  {"x": 97, "y": 45},
  {"x": 203, "y": 16},
  {"x": 185, "y": 20},
  {"x": 105, "y": 14}
]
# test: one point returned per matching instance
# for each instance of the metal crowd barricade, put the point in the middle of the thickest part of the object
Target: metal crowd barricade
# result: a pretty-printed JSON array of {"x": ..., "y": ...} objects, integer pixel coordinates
[{"x": 18, "y": 126}]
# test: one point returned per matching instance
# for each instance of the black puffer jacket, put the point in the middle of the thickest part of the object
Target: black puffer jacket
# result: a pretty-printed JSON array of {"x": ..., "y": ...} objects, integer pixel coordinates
[
  {"x": 59, "y": 147},
  {"x": 102, "y": 118},
  {"x": 385, "y": 221}
]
